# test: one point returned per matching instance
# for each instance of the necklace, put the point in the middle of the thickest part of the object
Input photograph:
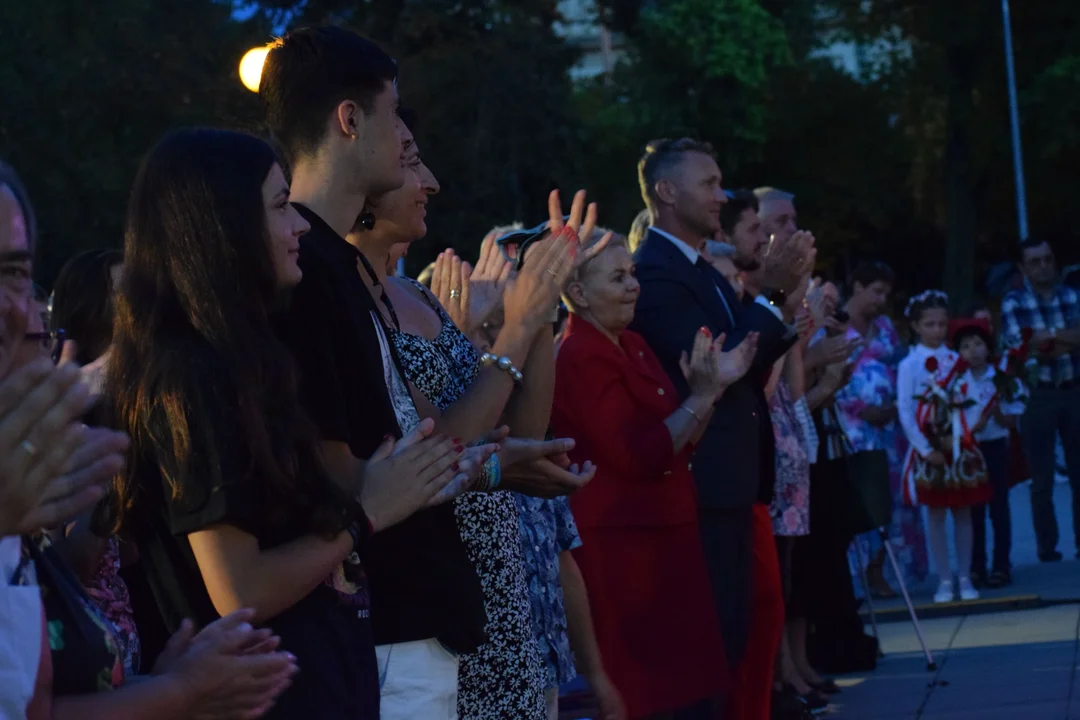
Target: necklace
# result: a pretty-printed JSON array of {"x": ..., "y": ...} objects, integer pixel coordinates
[{"x": 382, "y": 292}]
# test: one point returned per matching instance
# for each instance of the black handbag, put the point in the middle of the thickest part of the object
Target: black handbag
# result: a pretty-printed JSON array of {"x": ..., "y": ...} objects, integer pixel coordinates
[{"x": 870, "y": 496}]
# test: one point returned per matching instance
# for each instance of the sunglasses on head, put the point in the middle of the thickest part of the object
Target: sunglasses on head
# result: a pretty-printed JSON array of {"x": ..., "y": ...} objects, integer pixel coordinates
[{"x": 515, "y": 245}]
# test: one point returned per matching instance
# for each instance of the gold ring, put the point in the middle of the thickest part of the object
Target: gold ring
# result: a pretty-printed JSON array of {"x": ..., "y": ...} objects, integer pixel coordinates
[
  {"x": 29, "y": 447},
  {"x": 553, "y": 273}
]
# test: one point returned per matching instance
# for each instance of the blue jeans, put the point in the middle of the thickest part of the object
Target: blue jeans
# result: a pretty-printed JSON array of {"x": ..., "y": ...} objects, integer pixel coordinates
[{"x": 996, "y": 453}]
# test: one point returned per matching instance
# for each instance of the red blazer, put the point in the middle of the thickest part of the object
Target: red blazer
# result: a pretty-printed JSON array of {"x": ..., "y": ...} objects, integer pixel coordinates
[{"x": 613, "y": 401}]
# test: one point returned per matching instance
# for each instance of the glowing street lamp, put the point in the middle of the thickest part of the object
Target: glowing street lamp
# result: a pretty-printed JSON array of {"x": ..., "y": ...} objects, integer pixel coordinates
[{"x": 251, "y": 67}]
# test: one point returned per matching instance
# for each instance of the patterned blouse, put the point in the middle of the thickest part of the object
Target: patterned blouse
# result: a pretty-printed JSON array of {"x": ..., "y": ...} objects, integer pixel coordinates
[{"x": 548, "y": 530}]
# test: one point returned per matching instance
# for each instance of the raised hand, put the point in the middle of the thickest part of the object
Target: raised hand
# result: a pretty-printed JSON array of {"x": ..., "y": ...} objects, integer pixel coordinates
[
  {"x": 700, "y": 367},
  {"x": 584, "y": 229},
  {"x": 400, "y": 478},
  {"x": 219, "y": 674},
  {"x": 733, "y": 364},
  {"x": 51, "y": 466},
  {"x": 830, "y": 350},
  {"x": 787, "y": 263},
  {"x": 450, "y": 284},
  {"x": 487, "y": 281}
]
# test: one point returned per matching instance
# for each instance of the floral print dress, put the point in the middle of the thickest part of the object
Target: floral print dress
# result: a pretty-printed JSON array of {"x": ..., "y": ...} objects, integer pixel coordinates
[
  {"x": 790, "y": 508},
  {"x": 873, "y": 382}
]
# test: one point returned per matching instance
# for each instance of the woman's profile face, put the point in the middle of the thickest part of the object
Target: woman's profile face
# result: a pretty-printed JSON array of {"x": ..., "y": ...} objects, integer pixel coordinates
[
  {"x": 405, "y": 210},
  {"x": 284, "y": 226},
  {"x": 610, "y": 289}
]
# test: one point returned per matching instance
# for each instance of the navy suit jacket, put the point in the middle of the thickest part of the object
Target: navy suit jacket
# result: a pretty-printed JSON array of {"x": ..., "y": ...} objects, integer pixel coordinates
[{"x": 734, "y": 466}]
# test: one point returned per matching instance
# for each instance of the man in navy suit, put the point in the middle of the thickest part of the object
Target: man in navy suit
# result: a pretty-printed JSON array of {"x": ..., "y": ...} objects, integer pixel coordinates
[{"x": 734, "y": 464}]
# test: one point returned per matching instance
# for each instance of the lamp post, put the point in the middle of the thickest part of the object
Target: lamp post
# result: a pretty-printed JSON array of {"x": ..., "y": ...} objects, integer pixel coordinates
[
  {"x": 1014, "y": 121},
  {"x": 251, "y": 67}
]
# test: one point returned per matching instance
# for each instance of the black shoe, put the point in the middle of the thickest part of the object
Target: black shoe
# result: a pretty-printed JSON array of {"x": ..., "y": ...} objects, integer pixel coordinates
[
  {"x": 827, "y": 687},
  {"x": 999, "y": 579},
  {"x": 788, "y": 706},
  {"x": 814, "y": 702},
  {"x": 978, "y": 578},
  {"x": 1050, "y": 556}
]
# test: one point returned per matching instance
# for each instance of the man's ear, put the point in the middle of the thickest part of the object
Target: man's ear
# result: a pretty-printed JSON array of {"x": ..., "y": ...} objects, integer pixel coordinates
[
  {"x": 348, "y": 118},
  {"x": 666, "y": 191}
]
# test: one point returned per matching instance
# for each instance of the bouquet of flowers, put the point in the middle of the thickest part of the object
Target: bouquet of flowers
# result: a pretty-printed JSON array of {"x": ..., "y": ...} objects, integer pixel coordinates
[
  {"x": 1017, "y": 369},
  {"x": 941, "y": 406}
]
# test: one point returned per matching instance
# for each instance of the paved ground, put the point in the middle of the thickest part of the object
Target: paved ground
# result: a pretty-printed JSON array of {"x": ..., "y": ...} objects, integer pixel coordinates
[{"x": 991, "y": 665}]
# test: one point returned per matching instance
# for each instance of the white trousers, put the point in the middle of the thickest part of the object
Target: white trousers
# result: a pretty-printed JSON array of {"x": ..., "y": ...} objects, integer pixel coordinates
[
  {"x": 551, "y": 695},
  {"x": 418, "y": 681}
]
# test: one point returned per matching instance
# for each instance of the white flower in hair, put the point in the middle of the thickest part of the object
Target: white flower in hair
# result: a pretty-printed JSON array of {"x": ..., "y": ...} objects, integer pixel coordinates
[{"x": 923, "y": 297}]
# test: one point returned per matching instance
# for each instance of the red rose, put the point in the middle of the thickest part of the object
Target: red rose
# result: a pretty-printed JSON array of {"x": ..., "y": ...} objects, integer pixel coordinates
[
  {"x": 1046, "y": 347},
  {"x": 1026, "y": 334},
  {"x": 931, "y": 364}
]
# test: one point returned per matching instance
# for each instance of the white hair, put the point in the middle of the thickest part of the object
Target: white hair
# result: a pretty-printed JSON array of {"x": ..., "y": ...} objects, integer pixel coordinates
[{"x": 767, "y": 195}]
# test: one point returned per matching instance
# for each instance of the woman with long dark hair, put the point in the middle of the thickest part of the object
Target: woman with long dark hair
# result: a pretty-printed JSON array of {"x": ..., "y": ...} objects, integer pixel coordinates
[{"x": 225, "y": 494}]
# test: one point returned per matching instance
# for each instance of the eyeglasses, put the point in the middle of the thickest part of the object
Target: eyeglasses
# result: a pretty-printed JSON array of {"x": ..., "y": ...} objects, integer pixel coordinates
[
  {"x": 51, "y": 342},
  {"x": 520, "y": 240}
]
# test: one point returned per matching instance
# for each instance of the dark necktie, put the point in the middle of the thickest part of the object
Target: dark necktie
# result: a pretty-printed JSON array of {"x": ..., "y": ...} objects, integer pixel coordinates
[{"x": 727, "y": 293}]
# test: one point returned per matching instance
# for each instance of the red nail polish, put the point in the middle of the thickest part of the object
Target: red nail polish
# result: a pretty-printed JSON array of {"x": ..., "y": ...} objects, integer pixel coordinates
[
  {"x": 455, "y": 467},
  {"x": 457, "y": 441},
  {"x": 387, "y": 437},
  {"x": 460, "y": 449},
  {"x": 705, "y": 332}
]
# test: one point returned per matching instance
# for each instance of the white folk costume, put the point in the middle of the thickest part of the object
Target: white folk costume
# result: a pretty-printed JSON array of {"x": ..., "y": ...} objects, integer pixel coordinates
[{"x": 933, "y": 404}]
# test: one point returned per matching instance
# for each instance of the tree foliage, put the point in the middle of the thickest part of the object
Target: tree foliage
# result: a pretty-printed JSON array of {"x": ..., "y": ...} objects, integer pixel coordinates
[{"x": 905, "y": 157}]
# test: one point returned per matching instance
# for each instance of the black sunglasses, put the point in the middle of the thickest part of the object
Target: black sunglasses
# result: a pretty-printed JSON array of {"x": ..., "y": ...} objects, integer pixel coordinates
[
  {"x": 522, "y": 239},
  {"x": 53, "y": 341}
]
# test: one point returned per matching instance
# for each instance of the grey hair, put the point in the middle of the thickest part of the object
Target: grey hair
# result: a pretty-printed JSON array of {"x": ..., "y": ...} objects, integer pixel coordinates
[
  {"x": 500, "y": 230},
  {"x": 579, "y": 272},
  {"x": 767, "y": 195},
  {"x": 719, "y": 249}
]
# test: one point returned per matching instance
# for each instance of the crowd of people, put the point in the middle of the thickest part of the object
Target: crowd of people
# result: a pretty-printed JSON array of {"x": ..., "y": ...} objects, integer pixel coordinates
[{"x": 251, "y": 471}]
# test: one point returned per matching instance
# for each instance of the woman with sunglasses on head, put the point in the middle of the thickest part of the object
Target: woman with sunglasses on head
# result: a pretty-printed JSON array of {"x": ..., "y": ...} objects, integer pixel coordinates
[
  {"x": 468, "y": 393},
  {"x": 225, "y": 493}
]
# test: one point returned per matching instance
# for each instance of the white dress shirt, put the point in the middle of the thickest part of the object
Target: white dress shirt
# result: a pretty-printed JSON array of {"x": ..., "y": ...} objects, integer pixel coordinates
[{"x": 20, "y": 635}]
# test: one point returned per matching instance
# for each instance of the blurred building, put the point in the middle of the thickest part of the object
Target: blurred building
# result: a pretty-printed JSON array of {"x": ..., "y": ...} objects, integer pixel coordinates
[{"x": 580, "y": 27}]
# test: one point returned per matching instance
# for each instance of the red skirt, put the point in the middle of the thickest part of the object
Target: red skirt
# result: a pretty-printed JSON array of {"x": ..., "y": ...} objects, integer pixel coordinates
[{"x": 653, "y": 611}]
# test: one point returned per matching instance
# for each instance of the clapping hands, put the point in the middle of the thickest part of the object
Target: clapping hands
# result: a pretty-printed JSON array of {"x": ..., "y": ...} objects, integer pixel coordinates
[
  {"x": 52, "y": 466},
  {"x": 709, "y": 370},
  {"x": 788, "y": 264},
  {"x": 470, "y": 296}
]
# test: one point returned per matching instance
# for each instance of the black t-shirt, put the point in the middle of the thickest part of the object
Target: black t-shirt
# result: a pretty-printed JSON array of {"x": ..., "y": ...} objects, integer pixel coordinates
[
  {"x": 423, "y": 584},
  {"x": 329, "y": 631}
]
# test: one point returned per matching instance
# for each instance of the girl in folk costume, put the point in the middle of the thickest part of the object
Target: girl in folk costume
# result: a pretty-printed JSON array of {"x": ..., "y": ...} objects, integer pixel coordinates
[
  {"x": 999, "y": 398},
  {"x": 943, "y": 469}
]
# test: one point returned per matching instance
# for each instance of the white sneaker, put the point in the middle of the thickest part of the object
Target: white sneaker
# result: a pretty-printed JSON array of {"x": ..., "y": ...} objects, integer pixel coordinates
[
  {"x": 967, "y": 590},
  {"x": 944, "y": 592}
]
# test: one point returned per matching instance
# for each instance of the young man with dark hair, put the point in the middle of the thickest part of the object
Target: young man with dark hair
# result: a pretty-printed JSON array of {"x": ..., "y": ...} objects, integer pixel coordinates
[
  {"x": 1051, "y": 312},
  {"x": 734, "y": 466},
  {"x": 331, "y": 101},
  {"x": 743, "y": 229}
]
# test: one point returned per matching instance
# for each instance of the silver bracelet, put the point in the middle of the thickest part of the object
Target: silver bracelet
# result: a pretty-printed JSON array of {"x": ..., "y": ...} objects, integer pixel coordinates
[{"x": 504, "y": 364}]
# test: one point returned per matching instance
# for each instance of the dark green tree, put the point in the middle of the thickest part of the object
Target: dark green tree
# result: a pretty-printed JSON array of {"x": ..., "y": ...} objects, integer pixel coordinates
[{"x": 88, "y": 88}]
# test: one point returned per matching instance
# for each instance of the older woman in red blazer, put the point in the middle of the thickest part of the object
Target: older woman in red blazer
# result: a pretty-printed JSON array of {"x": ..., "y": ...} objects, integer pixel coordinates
[{"x": 641, "y": 555}]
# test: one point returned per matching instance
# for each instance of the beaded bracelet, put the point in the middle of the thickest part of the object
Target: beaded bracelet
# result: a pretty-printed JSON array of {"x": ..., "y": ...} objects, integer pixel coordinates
[
  {"x": 503, "y": 363},
  {"x": 490, "y": 475}
]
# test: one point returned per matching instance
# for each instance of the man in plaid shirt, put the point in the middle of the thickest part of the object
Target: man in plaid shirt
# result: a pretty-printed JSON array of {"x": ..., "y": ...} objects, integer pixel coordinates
[{"x": 1051, "y": 311}]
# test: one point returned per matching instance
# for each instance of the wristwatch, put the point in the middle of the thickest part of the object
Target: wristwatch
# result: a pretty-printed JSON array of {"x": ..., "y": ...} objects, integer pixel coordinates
[{"x": 775, "y": 297}]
